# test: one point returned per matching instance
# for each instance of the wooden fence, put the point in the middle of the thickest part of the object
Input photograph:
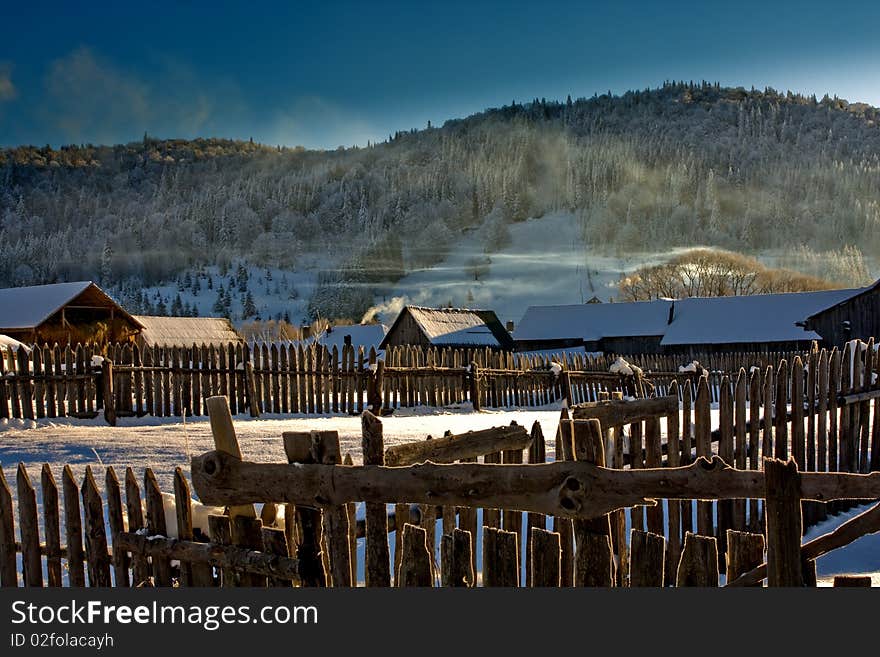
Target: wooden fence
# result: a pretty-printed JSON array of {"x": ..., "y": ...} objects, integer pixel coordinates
[
  {"x": 507, "y": 514},
  {"x": 54, "y": 381}
]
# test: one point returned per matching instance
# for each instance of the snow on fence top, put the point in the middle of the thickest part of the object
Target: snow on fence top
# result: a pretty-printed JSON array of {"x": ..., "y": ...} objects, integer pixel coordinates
[{"x": 754, "y": 318}]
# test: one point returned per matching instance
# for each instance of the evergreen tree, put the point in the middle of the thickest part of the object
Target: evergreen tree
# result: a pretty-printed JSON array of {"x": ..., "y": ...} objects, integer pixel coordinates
[{"x": 249, "y": 309}]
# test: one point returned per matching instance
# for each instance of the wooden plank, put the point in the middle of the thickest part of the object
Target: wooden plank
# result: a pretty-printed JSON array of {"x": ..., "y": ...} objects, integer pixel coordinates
[
  {"x": 28, "y": 527},
  {"x": 614, "y": 412},
  {"x": 117, "y": 526},
  {"x": 190, "y": 574},
  {"x": 377, "y": 559},
  {"x": 564, "y": 451},
  {"x": 784, "y": 529},
  {"x": 198, "y": 364},
  {"x": 833, "y": 427},
  {"x": 25, "y": 384},
  {"x": 812, "y": 378},
  {"x": 298, "y": 449},
  {"x": 500, "y": 567},
  {"x": 745, "y": 551},
  {"x": 653, "y": 459},
  {"x": 248, "y": 533},
  {"x": 225, "y": 440},
  {"x": 39, "y": 388},
  {"x": 457, "y": 558},
  {"x": 351, "y": 512},
  {"x": 415, "y": 564},
  {"x": 4, "y": 395},
  {"x": 593, "y": 559},
  {"x": 703, "y": 432},
  {"x": 726, "y": 453},
  {"x": 699, "y": 562},
  {"x": 274, "y": 543},
  {"x": 870, "y": 357},
  {"x": 546, "y": 555},
  {"x": 73, "y": 529},
  {"x": 456, "y": 447},
  {"x": 537, "y": 454},
  {"x": 140, "y": 569},
  {"x": 741, "y": 444},
  {"x": 51, "y": 526},
  {"x": 156, "y": 526},
  {"x": 798, "y": 447},
  {"x": 648, "y": 559},
  {"x": 95, "y": 532},
  {"x": 8, "y": 569},
  {"x": 220, "y": 531}
]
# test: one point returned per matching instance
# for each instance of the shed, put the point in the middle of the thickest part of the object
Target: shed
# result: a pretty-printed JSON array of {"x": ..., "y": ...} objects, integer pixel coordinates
[
  {"x": 635, "y": 327},
  {"x": 447, "y": 327},
  {"x": 185, "y": 331},
  {"x": 854, "y": 316},
  {"x": 64, "y": 313}
]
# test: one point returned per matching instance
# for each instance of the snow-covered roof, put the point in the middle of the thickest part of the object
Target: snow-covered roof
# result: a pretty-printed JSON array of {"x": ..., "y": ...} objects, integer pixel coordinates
[
  {"x": 28, "y": 307},
  {"x": 593, "y": 321},
  {"x": 366, "y": 335},
  {"x": 445, "y": 327},
  {"x": 11, "y": 344},
  {"x": 755, "y": 318},
  {"x": 186, "y": 331}
]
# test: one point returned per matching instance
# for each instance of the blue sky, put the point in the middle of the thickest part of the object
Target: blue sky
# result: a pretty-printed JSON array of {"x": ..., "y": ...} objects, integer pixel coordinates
[{"x": 324, "y": 74}]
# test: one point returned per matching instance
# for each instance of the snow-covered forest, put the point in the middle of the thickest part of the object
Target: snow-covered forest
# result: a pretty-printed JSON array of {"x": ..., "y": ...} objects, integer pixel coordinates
[{"x": 681, "y": 165}]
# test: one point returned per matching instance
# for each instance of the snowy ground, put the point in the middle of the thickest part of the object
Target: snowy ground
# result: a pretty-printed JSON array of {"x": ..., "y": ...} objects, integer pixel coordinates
[{"x": 166, "y": 443}]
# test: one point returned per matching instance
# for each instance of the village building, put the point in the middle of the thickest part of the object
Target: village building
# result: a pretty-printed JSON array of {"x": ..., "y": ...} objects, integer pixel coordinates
[
  {"x": 185, "y": 331},
  {"x": 447, "y": 327},
  {"x": 855, "y": 316},
  {"x": 368, "y": 336},
  {"x": 66, "y": 313},
  {"x": 761, "y": 322}
]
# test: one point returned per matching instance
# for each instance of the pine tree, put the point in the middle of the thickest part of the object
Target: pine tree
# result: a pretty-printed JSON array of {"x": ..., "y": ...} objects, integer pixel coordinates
[{"x": 249, "y": 309}]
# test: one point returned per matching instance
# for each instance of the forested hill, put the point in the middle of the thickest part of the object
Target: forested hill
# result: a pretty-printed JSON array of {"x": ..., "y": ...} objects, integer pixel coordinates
[{"x": 679, "y": 165}]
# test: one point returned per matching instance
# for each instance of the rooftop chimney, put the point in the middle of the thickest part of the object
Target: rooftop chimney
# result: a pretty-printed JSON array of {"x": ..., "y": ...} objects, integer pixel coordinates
[
  {"x": 305, "y": 332},
  {"x": 510, "y": 326}
]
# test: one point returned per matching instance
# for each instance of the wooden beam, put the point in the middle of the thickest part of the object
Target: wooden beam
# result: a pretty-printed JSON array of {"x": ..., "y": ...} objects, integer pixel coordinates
[
  {"x": 462, "y": 446},
  {"x": 615, "y": 413},
  {"x": 566, "y": 489}
]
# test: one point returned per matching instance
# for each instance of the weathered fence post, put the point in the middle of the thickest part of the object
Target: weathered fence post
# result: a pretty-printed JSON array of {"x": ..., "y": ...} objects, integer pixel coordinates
[
  {"x": 415, "y": 563},
  {"x": 107, "y": 387},
  {"x": 647, "y": 559},
  {"x": 156, "y": 526},
  {"x": 545, "y": 554},
  {"x": 784, "y": 528},
  {"x": 474, "y": 385},
  {"x": 190, "y": 574},
  {"x": 73, "y": 529},
  {"x": 140, "y": 570},
  {"x": 117, "y": 526},
  {"x": 225, "y": 439},
  {"x": 32, "y": 568},
  {"x": 593, "y": 559},
  {"x": 220, "y": 531},
  {"x": 500, "y": 567},
  {"x": 563, "y": 452},
  {"x": 51, "y": 525},
  {"x": 275, "y": 542},
  {"x": 699, "y": 561},
  {"x": 377, "y": 569},
  {"x": 297, "y": 447},
  {"x": 95, "y": 532},
  {"x": 8, "y": 572},
  {"x": 745, "y": 551},
  {"x": 457, "y": 567}
]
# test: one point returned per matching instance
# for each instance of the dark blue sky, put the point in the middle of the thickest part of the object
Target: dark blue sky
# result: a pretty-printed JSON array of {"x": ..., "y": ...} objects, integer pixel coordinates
[{"x": 324, "y": 74}]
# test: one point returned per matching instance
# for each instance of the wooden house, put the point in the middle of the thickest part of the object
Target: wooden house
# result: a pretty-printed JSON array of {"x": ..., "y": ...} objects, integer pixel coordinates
[
  {"x": 447, "y": 327},
  {"x": 856, "y": 316},
  {"x": 699, "y": 325},
  {"x": 64, "y": 313},
  {"x": 185, "y": 331}
]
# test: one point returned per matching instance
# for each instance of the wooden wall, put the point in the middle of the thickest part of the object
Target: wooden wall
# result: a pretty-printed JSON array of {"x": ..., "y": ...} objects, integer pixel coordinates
[{"x": 862, "y": 312}]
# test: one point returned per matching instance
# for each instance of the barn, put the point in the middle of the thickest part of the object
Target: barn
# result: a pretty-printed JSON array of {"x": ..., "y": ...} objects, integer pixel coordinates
[
  {"x": 855, "y": 316},
  {"x": 66, "y": 313},
  {"x": 185, "y": 331},
  {"x": 447, "y": 327}
]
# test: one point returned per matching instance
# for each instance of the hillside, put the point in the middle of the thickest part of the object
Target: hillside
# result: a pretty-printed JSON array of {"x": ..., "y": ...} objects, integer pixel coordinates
[{"x": 759, "y": 172}]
